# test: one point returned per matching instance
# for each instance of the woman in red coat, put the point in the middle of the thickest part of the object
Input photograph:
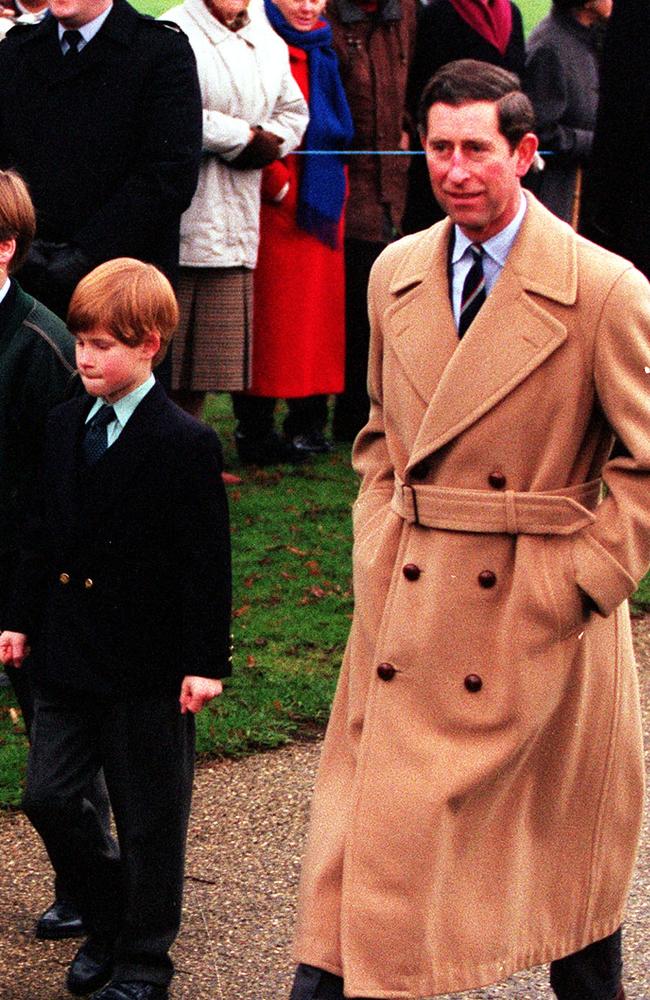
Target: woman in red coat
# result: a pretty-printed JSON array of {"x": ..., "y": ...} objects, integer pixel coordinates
[{"x": 299, "y": 340}]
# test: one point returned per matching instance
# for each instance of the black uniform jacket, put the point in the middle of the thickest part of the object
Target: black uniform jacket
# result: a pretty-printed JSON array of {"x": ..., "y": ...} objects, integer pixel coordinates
[
  {"x": 124, "y": 583},
  {"x": 110, "y": 144}
]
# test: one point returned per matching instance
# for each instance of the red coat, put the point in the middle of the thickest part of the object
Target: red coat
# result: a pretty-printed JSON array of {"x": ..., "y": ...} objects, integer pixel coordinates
[{"x": 299, "y": 338}]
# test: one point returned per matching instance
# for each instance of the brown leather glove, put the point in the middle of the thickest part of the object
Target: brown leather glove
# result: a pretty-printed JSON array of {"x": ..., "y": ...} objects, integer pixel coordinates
[{"x": 263, "y": 149}]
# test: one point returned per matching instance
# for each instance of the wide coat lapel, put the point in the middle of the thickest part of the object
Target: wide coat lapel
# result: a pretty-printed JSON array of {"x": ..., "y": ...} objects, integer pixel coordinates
[{"x": 512, "y": 335}]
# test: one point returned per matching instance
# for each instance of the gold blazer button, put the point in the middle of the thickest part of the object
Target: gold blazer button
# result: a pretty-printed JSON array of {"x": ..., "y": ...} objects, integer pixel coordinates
[
  {"x": 64, "y": 578},
  {"x": 88, "y": 583}
]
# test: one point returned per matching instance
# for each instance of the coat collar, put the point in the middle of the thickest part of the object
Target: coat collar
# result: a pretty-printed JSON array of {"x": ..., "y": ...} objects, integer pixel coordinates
[
  {"x": 512, "y": 335},
  {"x": 118, "y": 29}
]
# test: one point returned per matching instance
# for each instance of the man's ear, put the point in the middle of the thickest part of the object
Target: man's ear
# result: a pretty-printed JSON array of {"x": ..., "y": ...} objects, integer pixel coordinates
[
  {"x": 151, "y": 344},
  {"x": 7, "y": 252},
  {"x": 525, "y": 153}
]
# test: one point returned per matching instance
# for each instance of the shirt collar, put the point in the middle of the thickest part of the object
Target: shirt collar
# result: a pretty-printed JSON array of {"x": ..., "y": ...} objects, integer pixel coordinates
[
  {"x": 498, "y": 246},
  {"x": 4, "y": 290},
  {"x": 124, "y": 407},
  {"x": 89, "y": 30}
]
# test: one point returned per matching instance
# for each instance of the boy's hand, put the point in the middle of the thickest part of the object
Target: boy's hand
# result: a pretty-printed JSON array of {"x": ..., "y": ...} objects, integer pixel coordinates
[
  {"x": 196, "y": 692},
  {"x": 13, "y": 648}
]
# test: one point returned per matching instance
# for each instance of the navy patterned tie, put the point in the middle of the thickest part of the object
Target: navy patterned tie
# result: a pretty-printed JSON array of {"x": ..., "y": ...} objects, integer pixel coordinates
[
  {"x": 473, "y": 295},
  {"x": 72, "y": 38},
  {"x": 95, "y": 441}
]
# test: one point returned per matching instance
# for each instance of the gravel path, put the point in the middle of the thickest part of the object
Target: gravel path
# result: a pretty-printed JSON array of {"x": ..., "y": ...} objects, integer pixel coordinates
[{"x": 248, "y": 826}]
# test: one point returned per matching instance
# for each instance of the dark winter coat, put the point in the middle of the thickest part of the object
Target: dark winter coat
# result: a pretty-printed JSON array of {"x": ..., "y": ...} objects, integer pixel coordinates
[
  {"x": 374, "y": 52},
  {"x": 110, "y": 146},
  {"x": 443, "y": 36}
]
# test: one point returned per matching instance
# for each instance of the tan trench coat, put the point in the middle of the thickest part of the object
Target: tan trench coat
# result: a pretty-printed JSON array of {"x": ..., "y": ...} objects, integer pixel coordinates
[{"x": 479, "y": 799}]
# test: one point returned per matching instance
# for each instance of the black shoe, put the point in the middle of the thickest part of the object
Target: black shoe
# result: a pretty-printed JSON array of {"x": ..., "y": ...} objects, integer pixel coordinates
[
  {"x": 131, "y": 990},
  {"x": 61, "y": 920},
  {"x": 267, "y": 450},
  {"x": 313, "y": 443},
  {"x": 90, "y": 968}
]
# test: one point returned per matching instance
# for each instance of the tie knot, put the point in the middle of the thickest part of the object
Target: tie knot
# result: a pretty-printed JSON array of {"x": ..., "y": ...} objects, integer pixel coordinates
[
  {"x": 72, "y": 38},
  {"x": 105, "y": 414},
  {"x": 477, "y": 251}
]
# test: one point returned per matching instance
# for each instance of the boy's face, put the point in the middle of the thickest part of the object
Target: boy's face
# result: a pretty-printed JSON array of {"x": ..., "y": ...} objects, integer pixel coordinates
[{"x": 111, "y": 369}]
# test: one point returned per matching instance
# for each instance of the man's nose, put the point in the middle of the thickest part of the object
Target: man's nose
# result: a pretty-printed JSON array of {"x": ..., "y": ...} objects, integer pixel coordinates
[{"x": 457, "y": 168}]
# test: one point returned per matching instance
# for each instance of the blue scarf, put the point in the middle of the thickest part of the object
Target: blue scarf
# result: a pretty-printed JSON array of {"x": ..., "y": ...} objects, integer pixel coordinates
[{"x": 321, "y": 194}]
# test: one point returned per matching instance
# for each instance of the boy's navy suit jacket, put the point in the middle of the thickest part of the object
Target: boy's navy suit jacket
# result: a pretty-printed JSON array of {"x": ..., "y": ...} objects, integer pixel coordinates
[{"x": 124, "y": 583}]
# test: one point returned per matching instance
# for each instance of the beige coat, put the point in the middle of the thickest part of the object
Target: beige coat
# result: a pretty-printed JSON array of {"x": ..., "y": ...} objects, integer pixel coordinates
[{"x": 479, "y": 799}]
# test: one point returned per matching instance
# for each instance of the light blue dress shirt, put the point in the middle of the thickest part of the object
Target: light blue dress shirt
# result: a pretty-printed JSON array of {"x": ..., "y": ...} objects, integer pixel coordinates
[
  {"x": 124, "y": 409},
  {"x": 496, "y": 253},
  {"x": 5, "y": 289},
  {"x": 87, "y": 31}
]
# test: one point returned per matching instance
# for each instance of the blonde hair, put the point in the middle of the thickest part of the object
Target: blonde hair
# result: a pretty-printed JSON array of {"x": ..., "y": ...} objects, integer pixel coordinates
[
  {"x": 17, "y": 216},
  {"x": 128, "y": 298}
]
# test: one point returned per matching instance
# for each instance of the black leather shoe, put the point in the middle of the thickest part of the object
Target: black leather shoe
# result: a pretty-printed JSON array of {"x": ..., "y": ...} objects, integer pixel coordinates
[
  {"x": 61, "y": 920},
  {"x": 131, "y": 990},
  {"x": 268, "y": 450},
  {"x": 91, "y": 968},
  {"x": 313, "y": 443}
]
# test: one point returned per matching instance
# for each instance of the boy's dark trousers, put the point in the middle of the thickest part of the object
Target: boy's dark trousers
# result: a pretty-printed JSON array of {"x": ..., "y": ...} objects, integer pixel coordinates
[
  {"x": 146, "y": 748},
  {"x": 594, "y": 973}
]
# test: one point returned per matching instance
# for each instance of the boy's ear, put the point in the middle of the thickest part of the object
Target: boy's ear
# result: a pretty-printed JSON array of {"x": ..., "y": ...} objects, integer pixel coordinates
[{"x": 151, "y": 344}]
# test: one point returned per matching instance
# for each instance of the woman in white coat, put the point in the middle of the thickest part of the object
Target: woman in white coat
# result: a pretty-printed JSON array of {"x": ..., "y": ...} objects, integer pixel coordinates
[{"x": 253, "y": 113}]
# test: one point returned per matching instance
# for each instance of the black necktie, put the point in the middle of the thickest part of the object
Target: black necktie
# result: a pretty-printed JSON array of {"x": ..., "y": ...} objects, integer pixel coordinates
[
  {"x": 95, "y": 441},
  {"x": 473, "y": 295},
  {"x": 72, "y": 37}
]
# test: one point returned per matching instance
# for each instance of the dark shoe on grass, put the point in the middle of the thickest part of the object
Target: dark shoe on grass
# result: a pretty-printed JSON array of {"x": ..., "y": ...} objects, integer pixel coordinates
[
  {"x": 61, "y": 920},
  {"x": 91, "y": 967},
  {"x": 268, "y": 450},
  {"x": 313, "y": 443},
  {"x": 132, "y": 990}
]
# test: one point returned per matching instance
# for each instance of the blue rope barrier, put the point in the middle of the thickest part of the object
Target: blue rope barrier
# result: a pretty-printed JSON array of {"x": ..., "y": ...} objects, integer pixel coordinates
[{"x": 376, "y": 152}]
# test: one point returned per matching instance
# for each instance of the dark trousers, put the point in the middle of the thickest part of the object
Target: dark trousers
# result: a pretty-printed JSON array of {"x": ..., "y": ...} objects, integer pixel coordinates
[
  {"x": 146, "y": 749},
  {"x": 96, "y": 793},
  {"x": 255, "y": 415},
  {"x": 352, "y": 405},
  {"x": 594, "y": 973}
]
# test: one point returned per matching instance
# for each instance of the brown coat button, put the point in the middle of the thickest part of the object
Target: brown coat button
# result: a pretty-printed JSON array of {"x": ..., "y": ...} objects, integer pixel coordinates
[
  {"x": 473, "y": 683},
  {"x": 487, "y": 578},
  {"x": 386, "y": 671},
  {"x": 497, "y": 480},
  {"x": 421, "y": 470},
  {"x": 64, "y": 578},
  {"x": 411, "y": 571},
  {"x": 88, "y": 583}
]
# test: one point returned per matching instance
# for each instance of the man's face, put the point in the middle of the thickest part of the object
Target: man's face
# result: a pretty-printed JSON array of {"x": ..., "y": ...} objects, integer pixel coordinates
[
  {"x": 474, "y": 174},
  {"x": 76, "y": 13}
]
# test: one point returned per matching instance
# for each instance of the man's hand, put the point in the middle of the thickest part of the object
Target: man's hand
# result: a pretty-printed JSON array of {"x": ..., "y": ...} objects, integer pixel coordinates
[
  {"x": 14, "y": 649},
  {"x": 196, "y": 692}
]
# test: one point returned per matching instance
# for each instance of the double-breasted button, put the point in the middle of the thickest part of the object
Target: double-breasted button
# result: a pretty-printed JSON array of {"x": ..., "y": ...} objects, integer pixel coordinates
[
  {"x": 64, "y": 578},
  {"x": 497, "y": 480},
  {"x": 473, "y": 683},
  {"x": 421, "y": 470},
  {"x": 487, "y": 579},
  {"x": 411, "y": 571},
  {"x": 88, "y": 583},
  {"x": 386, "y": 671}
]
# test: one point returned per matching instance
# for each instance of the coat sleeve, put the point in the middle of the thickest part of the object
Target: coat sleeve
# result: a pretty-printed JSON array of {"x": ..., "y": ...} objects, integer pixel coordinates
[
  {"x": 201, "y": 537},
  {"x": 546, "y": 85},
  {"x": 613, "y": 554},
  {"x": 290, "y": 115},
  {"x": 370, "y": 456},
  {"x": 162, "y": 185}
]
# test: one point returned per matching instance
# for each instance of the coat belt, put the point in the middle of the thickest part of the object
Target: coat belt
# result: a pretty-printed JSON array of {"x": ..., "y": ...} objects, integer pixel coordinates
[{"x": 556, "y": 512}]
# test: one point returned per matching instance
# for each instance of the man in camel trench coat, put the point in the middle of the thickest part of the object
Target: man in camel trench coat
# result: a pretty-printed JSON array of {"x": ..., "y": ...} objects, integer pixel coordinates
[{"x": 479, "y": 799}]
